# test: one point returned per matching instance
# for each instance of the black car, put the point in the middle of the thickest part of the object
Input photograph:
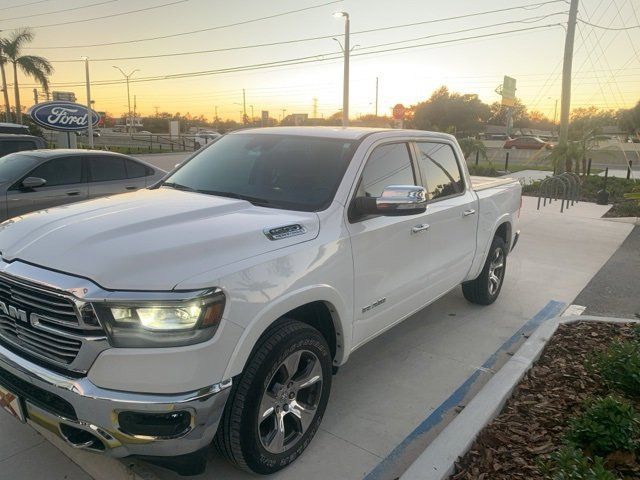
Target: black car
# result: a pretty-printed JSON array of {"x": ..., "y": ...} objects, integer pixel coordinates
[{"x": 10, "y": 143}]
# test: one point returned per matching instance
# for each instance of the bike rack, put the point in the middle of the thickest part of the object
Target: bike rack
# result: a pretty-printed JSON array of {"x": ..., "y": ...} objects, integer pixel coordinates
[{"x": 564, "y": 187}]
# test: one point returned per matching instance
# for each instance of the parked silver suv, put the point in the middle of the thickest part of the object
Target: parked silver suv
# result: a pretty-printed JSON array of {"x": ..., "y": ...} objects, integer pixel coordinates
[{"x": 38, "y": 179}]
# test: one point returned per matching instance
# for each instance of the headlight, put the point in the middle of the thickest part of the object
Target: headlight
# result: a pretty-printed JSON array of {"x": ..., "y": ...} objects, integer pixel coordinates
[{"x": 149, "y": 323}]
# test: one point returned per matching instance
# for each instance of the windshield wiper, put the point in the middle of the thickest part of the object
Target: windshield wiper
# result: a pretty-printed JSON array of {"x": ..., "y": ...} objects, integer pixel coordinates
[
  {"x": 178, "y": 186},
  {"x": 238, "y": 196}
]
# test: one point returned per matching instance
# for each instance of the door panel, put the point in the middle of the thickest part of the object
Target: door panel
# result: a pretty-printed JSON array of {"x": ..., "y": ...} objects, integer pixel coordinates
[
  {"x": 452, "y": 214},
  {"x": 65, "y": 184},
  {"x": 390, "y": 262}
]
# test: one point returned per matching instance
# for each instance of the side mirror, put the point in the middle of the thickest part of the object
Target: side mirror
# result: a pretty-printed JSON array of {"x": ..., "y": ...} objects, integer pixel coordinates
[
  {"x": 395, "y": 200},
  {"x": 33, "y": 182}
]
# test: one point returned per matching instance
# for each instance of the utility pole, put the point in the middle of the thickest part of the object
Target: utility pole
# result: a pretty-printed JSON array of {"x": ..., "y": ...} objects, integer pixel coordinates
[
  {"x": 345, "y": 81},
  {"x": 89, "y": 109},
  {"x": 283, "y": 111},
  {"x": 244, "y": 106},
  {"x": 156, "y": 109},
  {"x": 565, "y": 102},
  {"x": 376, "y": 96},
  {"x": 135, "y": 107},
  {"x": 315, "y": 107},
  {"x": 251, "y": 106}
]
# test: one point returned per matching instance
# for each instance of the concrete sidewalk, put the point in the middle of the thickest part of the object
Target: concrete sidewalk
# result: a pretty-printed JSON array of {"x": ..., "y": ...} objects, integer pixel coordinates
[{"x": 393, "y": 383}]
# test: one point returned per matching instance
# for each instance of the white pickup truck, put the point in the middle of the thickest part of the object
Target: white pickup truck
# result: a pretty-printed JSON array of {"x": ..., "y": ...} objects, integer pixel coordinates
[{"x": 217, "y": 304}]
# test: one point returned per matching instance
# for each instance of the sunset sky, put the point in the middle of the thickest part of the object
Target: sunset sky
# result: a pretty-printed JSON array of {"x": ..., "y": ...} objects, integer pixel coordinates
[{"x": 606, "y": 63}]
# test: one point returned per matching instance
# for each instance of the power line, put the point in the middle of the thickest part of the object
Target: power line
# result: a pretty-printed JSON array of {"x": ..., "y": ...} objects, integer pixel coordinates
[
  {"x": 307, "y": 39},
  {"x": 191, "y": 32},
  {"x": 218, "y": 27},
  {"x": 617, "y": 29},
  {"x": 60, "y": 11},
  {"x": 24, "y": 4},
  {"x": 70, "y": 22},
  {"x": 302, "y": 60}
]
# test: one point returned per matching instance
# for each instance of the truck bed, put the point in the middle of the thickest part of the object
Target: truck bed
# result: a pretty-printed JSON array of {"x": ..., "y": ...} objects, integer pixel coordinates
[{"x": 483, "y": 183}]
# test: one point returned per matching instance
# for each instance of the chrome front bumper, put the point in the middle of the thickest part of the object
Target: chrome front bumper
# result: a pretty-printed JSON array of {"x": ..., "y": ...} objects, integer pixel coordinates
[{"x": 96, "y": 410}]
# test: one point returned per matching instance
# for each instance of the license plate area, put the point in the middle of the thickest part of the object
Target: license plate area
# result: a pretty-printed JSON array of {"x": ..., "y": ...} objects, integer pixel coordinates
[{"x": 11, "y": 403}]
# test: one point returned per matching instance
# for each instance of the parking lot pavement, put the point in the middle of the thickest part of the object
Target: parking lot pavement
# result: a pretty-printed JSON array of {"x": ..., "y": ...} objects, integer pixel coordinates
[{"x": 393, "y": 383}]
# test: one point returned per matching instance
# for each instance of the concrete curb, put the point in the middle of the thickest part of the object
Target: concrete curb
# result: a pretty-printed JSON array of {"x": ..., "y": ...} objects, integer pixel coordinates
[{"x": 437, "y": 462}]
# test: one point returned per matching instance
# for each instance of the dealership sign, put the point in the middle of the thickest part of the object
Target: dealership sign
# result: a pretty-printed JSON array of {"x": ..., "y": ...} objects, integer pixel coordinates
[{"x": 63, "y": 116}]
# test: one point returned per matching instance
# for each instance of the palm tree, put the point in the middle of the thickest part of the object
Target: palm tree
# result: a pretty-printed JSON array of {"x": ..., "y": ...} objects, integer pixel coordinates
[
  {"x": 31, "y": 65},
  {"x": 5, "y": 91}
]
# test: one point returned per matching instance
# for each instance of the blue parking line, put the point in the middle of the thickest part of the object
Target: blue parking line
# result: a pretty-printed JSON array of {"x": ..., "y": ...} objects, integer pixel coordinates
[{"x": 551, "y": 310}]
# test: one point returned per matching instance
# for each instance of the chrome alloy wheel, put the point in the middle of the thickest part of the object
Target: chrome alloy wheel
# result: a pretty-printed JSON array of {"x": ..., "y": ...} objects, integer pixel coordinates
[
  {"x": 496, "y": 270},
  {"x": 289, "y": 403}
]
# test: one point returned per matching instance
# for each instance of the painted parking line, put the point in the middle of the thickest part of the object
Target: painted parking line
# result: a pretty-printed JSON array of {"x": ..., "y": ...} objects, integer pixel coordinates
[{"x": 397, "y": 457}]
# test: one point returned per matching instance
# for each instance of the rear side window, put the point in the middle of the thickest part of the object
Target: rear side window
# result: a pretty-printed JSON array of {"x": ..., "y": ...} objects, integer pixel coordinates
[
  {"x": 104, "y": 169},
  {"x": 387, "y": 165},
  {"x": 440, "y": 168},
  {"x": 59, "y": 171},
  {"x": 135, "y": 169},
  {"x": 10, "y": 146}
]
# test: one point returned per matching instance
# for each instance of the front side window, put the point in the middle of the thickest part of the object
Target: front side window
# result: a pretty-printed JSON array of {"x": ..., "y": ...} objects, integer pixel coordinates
[
  {"x": 104, "y": 169},
  {"x": 135, "y": 169},
  {"x": 387, "y": 165},
  {"x": 279, "y": 171},
  {"x": 59, "y": 171},
  {"x": 440, "y": 168}
]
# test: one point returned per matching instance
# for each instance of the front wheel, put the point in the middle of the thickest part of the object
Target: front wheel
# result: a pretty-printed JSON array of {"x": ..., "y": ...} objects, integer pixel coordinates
[
  {"x": 277, "y": 404},
  {"x": 485, "y": 289}
]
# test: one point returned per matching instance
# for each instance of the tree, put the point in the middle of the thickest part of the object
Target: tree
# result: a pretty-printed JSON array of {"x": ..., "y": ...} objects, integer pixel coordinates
[
  {"x": 3, "y": 76},
  {"x": 629, "y": 119},
  {"x": 518, "y": 114},
  {"x": 33, "y": 66},
  {"x": 450, "y": 112}
]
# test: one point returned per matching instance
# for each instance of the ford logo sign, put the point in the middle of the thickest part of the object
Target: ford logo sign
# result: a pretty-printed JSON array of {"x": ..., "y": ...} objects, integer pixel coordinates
[{"x": 63, "y": 116}]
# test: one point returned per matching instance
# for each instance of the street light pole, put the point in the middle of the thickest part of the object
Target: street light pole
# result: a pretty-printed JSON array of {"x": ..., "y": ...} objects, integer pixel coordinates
[
  {"x": 89, "y": 109},
  {"x": 128, "y": 95},
  {"x": 345, "y": 81}
]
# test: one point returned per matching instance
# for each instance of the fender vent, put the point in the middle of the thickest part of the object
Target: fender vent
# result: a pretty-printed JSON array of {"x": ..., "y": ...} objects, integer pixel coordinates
[{"x": 286, "y": 231}]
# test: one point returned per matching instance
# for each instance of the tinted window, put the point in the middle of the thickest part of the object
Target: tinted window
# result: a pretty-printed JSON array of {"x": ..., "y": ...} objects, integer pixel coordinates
[
  {"x": 387, "y": 165},
  {"x": 59, "y": 171},
  {"x": 135, "y": 169},
  {"x": 15, "y": 165},
  {"x": 10, "y": 146},
  {"x": 280, "y": 171},
  {"x": 440, "y": 168},
  {"x": 104, "y": 169}
]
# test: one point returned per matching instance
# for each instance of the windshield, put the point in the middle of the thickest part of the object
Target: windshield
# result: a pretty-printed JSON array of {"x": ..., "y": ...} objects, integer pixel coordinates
[
  {"x": 278, "y": 171},
  {"x": 15, "y": 165}
]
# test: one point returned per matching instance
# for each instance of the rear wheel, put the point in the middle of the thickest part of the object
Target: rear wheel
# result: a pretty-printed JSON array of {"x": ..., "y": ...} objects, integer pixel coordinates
[
  {"x": 485, "y": 289},
  {"x": 277, "y": 404}
]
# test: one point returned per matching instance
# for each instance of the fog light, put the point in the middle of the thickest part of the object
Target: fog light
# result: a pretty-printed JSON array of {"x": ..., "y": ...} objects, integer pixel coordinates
[{"x": 163, "y": 425}]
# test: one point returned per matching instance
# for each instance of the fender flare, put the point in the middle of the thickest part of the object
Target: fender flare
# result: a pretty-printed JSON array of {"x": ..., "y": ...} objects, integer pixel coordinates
[{"x": 275, "y": 310}]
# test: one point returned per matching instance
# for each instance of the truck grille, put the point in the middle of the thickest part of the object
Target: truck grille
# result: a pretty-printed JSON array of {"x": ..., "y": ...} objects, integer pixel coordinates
[{"x": 52, "y": 336}]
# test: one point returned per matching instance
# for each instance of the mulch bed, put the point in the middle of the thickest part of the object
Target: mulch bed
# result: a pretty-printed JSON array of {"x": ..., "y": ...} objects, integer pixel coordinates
[{"x": 533, "y": 421}]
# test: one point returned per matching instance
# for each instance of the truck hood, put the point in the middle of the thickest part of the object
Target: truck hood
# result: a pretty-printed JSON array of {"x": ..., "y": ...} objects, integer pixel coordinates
[{"x": 150, "y": 239}]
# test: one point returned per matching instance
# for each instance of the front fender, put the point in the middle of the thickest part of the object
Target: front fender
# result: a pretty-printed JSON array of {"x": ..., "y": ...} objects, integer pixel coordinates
[{"x": 275, "y": 310}]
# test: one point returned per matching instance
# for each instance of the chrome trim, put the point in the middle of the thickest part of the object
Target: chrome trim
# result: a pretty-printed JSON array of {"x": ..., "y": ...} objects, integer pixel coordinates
[
  {"x": 97, "y": 410},
  {"x": 401, "y": 197},
  {"x": 284, "y": 231},
  {"x": 516, "y": 237}
]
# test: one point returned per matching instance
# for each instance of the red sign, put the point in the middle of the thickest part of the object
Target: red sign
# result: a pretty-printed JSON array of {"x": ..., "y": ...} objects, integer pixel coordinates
[{"x": 398, "y": 112}]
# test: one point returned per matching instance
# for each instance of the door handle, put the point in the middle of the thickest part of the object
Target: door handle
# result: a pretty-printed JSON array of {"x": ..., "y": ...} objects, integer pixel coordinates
[
  {"x": 466, "y": 213},
  {"x": 422, "y": 227},
  {"x": 74, "y": 193},
  {"x": 130, "y": 188}
]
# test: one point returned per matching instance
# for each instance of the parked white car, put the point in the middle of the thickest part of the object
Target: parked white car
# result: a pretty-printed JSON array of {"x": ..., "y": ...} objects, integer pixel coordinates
[{"x": 218, "y": 304}]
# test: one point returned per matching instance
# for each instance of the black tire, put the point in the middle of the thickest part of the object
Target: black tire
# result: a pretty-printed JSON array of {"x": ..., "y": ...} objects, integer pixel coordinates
[
  {"x": 479, "y": 290},
  {"x": 239, "y": 437}
]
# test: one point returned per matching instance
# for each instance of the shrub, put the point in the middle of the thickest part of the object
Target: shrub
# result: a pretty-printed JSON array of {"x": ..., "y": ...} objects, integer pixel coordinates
[
  {"x": 619, "y": 366},
  {"x": 607, "y": 425},
  {"x": 483, "y": 171},
  {"x": 569, "y": 463}
]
